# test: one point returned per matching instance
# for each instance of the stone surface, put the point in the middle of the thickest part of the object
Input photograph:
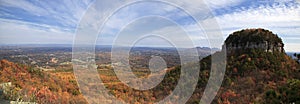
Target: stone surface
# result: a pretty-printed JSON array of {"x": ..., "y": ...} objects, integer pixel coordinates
[{"x": 254, "y": 39}]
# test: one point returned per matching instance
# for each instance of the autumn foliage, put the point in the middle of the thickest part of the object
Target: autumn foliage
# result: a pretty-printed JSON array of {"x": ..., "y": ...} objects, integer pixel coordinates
[{"x": 32, "y": 85}]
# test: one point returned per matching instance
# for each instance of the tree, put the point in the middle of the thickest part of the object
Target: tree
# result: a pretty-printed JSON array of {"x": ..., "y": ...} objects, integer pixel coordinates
[{"x": 297, "y": 56}]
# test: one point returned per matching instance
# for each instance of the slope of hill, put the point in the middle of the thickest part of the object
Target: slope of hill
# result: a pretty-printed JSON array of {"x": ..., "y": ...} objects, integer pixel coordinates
[
  {"x": 262, "y": 77},
  {"x": 32, "y": 85},
  {"x": 254, "y": 75}
]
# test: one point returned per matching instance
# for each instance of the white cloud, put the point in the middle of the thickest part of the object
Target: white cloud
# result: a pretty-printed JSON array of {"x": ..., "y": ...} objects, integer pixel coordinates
[
  {"x": 61, "y": 13},
  {"x": 42, "y": 22},
  {"x": 16, "y": 32},
  {"x": 195, "y": 7},
  {"x": 67, "y": 14},
  {"x": 216, "y": 4},
  {"x": 275, "y": 16},
  {"x": 281, "y": 19},
  {"x": 128, "y": 14},
  {"x": 25, "y": 5}
]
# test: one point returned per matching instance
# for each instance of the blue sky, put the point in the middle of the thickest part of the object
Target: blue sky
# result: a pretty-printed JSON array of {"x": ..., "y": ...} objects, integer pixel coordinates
[{"x": 55, "y": 21}]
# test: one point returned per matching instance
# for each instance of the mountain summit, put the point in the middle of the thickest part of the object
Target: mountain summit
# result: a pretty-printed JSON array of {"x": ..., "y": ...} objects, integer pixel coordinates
[
  {"x": 254, "y": 39},
  {"x": 257, "y": 71}
]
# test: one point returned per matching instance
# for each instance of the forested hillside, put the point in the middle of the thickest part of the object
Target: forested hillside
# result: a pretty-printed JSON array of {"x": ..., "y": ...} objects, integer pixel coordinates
[{"x": 32, "y": 85}]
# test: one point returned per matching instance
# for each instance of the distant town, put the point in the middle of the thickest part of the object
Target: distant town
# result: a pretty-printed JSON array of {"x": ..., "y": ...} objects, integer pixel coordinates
[{"x": 52, "y": 57}]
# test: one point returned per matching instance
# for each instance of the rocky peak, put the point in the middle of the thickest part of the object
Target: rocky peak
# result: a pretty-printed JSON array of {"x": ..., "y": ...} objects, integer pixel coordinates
[{"x": 254, "y": 39}]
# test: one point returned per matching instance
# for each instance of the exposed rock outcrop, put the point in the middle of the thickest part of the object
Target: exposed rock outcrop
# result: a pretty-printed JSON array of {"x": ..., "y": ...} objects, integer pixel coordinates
[{"x": 254, "y": 39}]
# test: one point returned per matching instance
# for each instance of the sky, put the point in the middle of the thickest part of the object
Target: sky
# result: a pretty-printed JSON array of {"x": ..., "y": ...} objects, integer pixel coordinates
[{"x": 56, "y": 21}]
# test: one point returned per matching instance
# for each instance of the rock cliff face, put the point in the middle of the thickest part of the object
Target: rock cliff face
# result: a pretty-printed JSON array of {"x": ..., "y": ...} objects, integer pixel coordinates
[{"x": 254, "y": 39}]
